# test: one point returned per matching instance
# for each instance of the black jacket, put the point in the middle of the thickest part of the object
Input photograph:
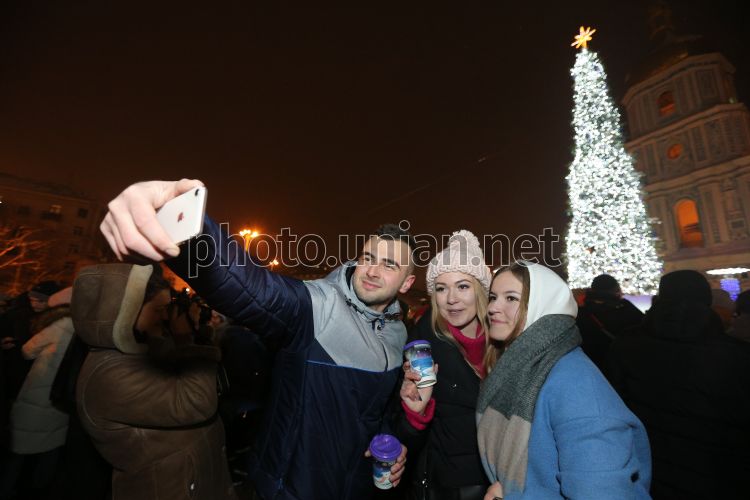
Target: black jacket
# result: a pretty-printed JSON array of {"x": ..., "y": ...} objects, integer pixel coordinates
[
  {"x": 447, "y": 448},
  {"x": 602, "y": 318},
  {"x": 18, "y": 323},
  {"x": 689, "y": 383}
]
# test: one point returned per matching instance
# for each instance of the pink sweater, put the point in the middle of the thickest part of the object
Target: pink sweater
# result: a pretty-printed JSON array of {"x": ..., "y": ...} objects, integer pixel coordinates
[{"x": 474, "y": 348}]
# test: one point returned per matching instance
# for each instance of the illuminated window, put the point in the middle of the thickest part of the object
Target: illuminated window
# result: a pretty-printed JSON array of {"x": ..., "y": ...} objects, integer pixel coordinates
[
  {"x": 688, "y": 223},
  {"x": 674, "y": 151},
  {"x": 54, "y": 213},
  {"x": 665, "y": 103}
]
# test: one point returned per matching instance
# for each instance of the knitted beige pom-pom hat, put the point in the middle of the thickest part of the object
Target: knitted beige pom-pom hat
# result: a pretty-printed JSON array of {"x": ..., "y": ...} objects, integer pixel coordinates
[{"x": 464, "y": 255}]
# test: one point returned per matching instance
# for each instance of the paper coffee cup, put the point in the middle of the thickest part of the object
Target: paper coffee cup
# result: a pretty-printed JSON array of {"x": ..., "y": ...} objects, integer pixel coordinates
[
  {"x": 385, "y": 449},
  {"x": 419, "y": 355}
]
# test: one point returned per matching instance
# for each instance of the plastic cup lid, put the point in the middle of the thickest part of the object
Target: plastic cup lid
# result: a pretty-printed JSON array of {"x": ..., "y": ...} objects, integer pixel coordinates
[
  {"x": 385, "y": 447},
  {"x": 416, "y": 343}
]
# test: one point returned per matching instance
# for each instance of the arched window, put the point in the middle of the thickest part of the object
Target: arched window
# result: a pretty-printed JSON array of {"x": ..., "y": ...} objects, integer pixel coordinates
[
  {"x": 665, "y": 102},
  {"x": 688, "y": 223}
]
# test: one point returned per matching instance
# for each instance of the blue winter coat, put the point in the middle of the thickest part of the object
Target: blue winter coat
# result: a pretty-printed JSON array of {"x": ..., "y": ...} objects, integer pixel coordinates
[
  {"x": 333, "y": 376},
  {"x": 584, "y": 442}
]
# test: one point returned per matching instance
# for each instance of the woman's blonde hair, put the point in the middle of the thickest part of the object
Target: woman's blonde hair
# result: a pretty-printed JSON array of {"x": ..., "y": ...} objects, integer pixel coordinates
[
  {"x": 440, "y": 326},
  {"x": 495, "y": 348}
]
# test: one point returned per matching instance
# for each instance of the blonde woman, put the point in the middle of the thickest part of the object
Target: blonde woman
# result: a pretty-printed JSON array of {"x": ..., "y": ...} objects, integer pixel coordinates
[
  {"x": 549, "y": 424},
  {"x": 438, "y": 422}
]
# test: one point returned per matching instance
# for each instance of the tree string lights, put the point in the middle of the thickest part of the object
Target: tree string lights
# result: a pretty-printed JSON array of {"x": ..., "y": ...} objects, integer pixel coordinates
[{"x": 609, "y": 231}]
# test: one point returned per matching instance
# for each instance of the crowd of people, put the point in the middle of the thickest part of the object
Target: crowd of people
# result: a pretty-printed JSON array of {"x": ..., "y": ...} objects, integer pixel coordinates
[{"x": 266, "y": 387}]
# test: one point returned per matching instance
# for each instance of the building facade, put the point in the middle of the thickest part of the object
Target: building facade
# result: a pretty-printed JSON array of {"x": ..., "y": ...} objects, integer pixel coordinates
[
  {"x": 690, "y": 138},
  {"x": 54, "y": 228}
]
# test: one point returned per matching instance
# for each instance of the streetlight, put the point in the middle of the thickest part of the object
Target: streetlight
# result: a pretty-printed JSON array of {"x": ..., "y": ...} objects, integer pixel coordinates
[{"x": 248, "y": 235}]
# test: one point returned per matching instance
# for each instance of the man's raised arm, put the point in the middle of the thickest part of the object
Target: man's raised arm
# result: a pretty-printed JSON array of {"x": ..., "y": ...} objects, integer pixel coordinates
[
  {"x": 270, "y": 304},
  {"x": 130, "y": 225}
]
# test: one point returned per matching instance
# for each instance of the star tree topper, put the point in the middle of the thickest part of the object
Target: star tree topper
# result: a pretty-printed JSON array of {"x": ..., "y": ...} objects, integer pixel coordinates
[{"x": 583, "y": 37}]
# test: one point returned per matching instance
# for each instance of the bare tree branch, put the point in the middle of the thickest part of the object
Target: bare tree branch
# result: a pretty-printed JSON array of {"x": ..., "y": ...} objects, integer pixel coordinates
[{"x": 23, "y": 249}]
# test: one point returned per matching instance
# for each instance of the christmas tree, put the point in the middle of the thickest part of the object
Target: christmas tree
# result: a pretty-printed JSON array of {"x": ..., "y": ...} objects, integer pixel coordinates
[{"x": 609, "y": 231}]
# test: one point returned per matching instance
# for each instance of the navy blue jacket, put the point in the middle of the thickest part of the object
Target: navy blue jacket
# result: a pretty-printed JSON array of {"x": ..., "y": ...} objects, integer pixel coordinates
[{"x": 333, "y": 376}]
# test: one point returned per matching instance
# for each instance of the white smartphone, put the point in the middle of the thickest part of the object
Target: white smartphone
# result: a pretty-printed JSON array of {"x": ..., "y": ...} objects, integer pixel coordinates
[{"x": 182, "y": 217}]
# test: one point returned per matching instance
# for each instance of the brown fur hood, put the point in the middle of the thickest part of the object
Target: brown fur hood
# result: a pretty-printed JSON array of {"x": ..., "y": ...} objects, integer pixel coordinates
[{"x": 106, "y": 302}]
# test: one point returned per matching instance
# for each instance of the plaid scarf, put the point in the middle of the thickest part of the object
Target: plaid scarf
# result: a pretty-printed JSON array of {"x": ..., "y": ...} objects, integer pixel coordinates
[{"x": 508, "y": 396}]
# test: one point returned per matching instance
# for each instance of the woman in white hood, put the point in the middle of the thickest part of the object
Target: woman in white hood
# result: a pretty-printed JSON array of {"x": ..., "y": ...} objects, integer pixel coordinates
[{"x": 549, "y": 424}]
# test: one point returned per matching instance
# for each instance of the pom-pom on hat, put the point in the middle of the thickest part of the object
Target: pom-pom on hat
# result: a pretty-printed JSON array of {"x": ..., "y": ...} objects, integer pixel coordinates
[{"x": 464, "y": 255}]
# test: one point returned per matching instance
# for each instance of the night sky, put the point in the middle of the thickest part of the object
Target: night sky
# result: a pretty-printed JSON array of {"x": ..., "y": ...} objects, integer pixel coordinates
[{"x": 328, "y": 120}]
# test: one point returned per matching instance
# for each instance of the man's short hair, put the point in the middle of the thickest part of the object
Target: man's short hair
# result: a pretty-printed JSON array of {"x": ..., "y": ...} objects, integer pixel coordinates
[
  {"x": 44, "y": 289},
  {"x": 396, "y": 233},
  {"x": 156, "y": 283},
  {"x": 605, "y": 283}
]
